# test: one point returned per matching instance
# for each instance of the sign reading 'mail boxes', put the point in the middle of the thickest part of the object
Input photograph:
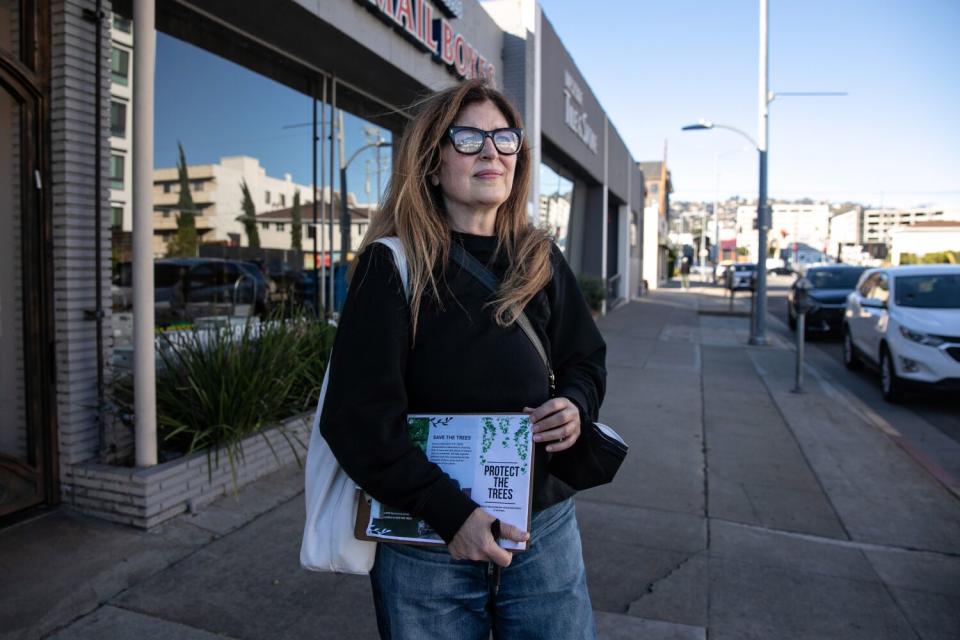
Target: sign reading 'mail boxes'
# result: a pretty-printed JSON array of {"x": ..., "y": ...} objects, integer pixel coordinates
[{"x": 415, "y": 19}]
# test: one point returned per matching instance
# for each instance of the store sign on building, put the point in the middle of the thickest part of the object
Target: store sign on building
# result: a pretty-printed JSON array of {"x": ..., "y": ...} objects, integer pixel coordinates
[
  {"x": 416, "y": 21},
  {"x": 574, "y": 114}
]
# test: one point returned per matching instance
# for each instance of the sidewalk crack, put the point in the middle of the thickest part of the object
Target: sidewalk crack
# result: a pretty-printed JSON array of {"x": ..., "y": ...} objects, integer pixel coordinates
[{"x": 652, "y": 587}]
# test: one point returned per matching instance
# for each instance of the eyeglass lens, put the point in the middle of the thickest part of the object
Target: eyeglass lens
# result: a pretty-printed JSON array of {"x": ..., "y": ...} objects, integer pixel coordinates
[{"x": 471, "y": 140}]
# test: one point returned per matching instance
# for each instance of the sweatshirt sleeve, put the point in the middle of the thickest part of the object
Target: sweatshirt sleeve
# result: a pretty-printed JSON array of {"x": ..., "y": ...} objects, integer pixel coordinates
[
  {"x": 578, "y": 352},
  {"x": 364, "y": 412}
]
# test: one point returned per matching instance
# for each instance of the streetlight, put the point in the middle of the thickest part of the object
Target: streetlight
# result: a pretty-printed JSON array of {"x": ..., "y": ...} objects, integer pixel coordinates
[
  {"x": 757, "y": 317},
  {"x": 344, "y": 211}
]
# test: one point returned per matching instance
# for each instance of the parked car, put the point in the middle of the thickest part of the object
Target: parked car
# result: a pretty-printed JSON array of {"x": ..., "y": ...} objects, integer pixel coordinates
[
  {"x": 741, "y": 275},
  {"x": 188, "y": 288},
  {"x": 905, "y": 321},
  {"x": 829, "y": 288}
]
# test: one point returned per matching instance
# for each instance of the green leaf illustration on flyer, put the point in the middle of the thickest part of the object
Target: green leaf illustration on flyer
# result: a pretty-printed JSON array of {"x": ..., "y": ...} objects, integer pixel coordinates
[{"x": 488, "y": 456}]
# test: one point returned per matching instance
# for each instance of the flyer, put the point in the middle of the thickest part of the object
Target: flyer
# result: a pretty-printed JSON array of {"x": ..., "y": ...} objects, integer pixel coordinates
[{"x": 490, "y": 456}]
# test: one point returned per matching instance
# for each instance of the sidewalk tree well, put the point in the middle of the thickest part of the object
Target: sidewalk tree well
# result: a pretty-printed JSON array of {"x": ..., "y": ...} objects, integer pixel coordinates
[
  {"x": 216, "y": 387},
  {"x": 184, "y": 241},
  {"x": 296, "y": 230},
  {"x": 249, "y": 217},
  {"x": 593, "y": 293}
]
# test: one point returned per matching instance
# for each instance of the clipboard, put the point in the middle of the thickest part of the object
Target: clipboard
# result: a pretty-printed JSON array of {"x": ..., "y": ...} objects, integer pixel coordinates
[{"x": 490, "y": 455}]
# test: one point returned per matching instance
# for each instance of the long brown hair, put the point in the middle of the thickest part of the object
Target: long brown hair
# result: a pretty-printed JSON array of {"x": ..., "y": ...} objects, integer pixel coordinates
[{"x": 413, "y": 208}]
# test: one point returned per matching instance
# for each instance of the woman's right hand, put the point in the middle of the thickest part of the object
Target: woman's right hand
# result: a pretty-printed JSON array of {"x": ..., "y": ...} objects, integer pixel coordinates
[{"x": 474, "y": 540}]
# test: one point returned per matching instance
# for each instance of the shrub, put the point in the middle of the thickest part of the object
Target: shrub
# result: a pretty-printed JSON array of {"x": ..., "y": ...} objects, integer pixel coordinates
[
  {"x": 216, "y": 387},
  {"x": 593, "y": 292}
]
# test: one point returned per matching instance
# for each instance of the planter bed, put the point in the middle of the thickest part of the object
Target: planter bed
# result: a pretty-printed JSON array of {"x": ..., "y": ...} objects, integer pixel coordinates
[{"x": 146, "y": 497}]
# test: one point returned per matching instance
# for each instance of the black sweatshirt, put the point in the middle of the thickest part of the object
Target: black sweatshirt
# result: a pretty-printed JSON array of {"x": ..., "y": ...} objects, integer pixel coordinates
[{"x": 461, "y": 361}]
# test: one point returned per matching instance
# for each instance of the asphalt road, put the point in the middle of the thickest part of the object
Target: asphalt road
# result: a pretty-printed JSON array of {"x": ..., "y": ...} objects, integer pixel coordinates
[{"x": 940, "y": 410}]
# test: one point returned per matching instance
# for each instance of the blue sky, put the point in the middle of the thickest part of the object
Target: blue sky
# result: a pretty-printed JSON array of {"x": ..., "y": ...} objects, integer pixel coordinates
[
  {"x": 656, "y": 66},
  {"x": 216, "y": 108},
  {"x": 895, "y": 139}
]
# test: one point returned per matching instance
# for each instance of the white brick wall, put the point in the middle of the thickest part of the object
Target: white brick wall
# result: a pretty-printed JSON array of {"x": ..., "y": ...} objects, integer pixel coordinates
[
  {"x": 147, "y": 497},
  {"x": 72, "y": 127}
]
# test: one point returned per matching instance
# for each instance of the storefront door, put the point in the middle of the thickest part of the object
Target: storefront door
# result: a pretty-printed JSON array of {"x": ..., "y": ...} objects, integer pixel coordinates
[{"x": 26, "y": 457}]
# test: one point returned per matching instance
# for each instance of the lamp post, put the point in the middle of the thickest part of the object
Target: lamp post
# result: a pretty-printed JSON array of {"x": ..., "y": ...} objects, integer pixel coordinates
[
  {"x": 757, "y": 317},
  {"x": 344, "y": 210}
]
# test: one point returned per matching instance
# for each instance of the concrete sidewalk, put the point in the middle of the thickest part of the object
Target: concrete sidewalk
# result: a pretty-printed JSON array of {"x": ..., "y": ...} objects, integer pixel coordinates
[{"x": 743, "y": 511}]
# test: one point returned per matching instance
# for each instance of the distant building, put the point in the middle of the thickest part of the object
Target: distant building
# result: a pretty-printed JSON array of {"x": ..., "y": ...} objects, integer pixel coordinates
[
  {"x": 554, "y": 215},
  {"x": 121, "y": 123},
  {"x": 275, "y": 228},
  {"x": 879, "y": 223},
  {"x": 790, "y": 224},
  {"x": 218, "y": 198},
  {"x": 658, "y": 186},
  {"x": 921, "y": 238},
  {"x": 845, "y": 231}
]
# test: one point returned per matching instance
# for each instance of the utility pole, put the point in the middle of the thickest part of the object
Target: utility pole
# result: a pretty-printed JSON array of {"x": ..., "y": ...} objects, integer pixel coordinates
[{"x": 758, "y": 320}]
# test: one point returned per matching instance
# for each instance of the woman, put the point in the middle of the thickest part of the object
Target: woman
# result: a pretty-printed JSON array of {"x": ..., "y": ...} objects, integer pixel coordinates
[{"x": 461, "y": 175}]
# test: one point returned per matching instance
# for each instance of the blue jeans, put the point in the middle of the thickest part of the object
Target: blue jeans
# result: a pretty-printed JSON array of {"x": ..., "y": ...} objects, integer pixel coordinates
[{"x": 422, "y": 593}]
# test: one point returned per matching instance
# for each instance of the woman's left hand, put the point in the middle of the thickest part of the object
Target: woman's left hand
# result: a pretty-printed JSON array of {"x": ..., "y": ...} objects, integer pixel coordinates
[{"x": 556, "y": 422}]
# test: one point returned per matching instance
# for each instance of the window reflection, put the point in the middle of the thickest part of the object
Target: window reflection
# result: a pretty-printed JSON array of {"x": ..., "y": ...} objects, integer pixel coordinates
[
  {"x": 556, "y": 200},
  {"x": 233, "y": 169}
]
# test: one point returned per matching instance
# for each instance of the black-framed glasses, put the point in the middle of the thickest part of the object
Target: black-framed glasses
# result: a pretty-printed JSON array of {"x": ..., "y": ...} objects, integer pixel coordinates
[{"x": 469, "y": 140}]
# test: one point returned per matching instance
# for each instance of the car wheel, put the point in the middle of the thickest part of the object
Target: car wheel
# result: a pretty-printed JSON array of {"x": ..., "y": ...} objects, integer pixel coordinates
[
  {"x": 850, "y": 358},
  {"x": 890, "y": 382}
]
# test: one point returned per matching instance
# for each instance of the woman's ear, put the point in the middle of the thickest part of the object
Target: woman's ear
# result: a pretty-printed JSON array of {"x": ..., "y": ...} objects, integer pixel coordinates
[{"x": 434, "y": 180}]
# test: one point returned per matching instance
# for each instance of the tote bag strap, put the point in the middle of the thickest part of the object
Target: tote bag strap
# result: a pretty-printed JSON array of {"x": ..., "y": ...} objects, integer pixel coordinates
[
  {"x": 486, "y": 277},
  {"x": 400, "y": 258},
  {"x": 394, "y": 244}
]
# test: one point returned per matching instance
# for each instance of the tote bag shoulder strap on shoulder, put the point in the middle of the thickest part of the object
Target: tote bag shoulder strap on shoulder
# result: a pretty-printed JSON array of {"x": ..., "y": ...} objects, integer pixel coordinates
[
  {"x": 394, "y": 244},
  {"x": 331, "y": 507}
]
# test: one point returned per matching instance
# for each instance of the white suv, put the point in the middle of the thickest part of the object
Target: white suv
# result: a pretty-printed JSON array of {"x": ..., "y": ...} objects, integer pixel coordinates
[{"x": 906, "y": 322}]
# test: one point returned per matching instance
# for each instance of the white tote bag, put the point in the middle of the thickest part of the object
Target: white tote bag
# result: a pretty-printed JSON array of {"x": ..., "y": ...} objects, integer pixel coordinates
[{"x": 328, "y": 540}]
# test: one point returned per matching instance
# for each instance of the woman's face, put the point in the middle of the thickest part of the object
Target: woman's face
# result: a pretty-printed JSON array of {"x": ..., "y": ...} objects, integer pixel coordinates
[{"x": 482, "y": 181}]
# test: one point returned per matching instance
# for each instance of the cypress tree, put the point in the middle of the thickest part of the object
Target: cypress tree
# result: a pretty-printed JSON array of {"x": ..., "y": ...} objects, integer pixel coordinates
[
  {"x": 184, "y": 242},
  {"x": 249, "y": 217},
  {"x": 296, "y": 232}
]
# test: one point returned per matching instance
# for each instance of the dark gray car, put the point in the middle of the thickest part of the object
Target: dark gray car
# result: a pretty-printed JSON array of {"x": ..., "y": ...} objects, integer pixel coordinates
[
  {"x": 830, "y": 286},
  {"x": 189, "y": 288}
]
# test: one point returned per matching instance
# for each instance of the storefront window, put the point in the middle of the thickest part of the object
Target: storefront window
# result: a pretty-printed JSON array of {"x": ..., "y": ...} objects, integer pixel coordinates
[
  {"x": 248, "y": 150},
  {"x": 556, "y": 200}
]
